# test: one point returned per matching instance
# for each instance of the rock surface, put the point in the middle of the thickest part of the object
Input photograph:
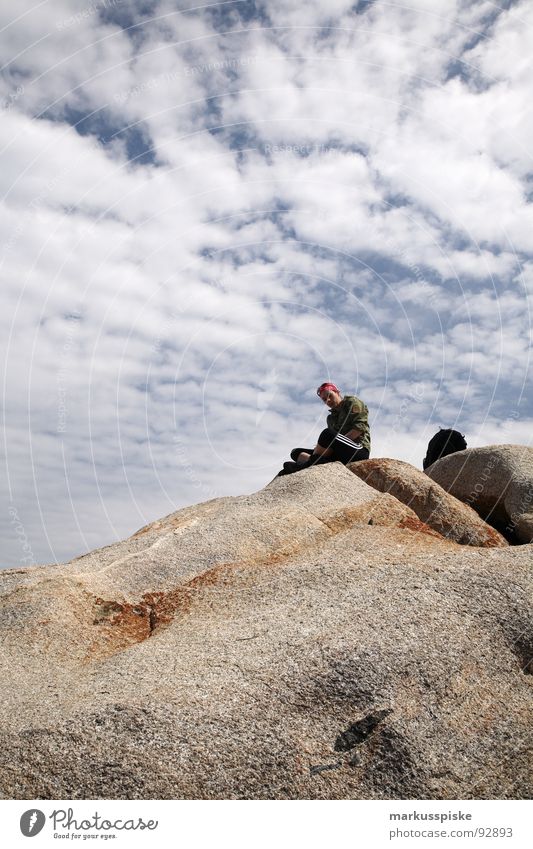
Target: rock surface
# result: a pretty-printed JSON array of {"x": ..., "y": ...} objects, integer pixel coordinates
[
  {"x": 496, "y": 480},
  {"x": 431, "y": 503},
  {"x": 272, "y": 646}
]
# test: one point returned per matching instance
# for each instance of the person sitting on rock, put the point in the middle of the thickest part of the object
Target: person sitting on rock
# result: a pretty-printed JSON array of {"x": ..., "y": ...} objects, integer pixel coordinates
[{"x": 346, "y": 437}]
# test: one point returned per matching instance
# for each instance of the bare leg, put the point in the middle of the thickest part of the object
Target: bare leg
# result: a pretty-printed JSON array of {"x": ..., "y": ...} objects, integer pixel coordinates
[
  {"x": 322, "y": 452},
  {"x": 318, "y": 451}
]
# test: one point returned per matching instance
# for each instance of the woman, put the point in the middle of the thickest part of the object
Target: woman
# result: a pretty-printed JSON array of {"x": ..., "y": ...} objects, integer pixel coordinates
[{"x": 346, "y": 437}]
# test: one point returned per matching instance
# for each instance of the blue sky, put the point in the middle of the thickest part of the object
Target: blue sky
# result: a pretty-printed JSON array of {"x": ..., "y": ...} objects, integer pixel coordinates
[{"x": 207, "y": 210}]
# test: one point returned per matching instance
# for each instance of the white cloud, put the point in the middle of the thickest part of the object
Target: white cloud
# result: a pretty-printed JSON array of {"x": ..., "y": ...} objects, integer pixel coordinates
[{"x": 328, "y": 194}]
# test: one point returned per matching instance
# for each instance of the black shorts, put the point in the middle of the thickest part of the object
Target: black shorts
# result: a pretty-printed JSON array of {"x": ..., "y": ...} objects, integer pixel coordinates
[{"x": 344, "y": 449}]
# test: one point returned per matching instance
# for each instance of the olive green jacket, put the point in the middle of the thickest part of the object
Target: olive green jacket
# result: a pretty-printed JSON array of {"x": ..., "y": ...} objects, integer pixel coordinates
[{"x": 351, "y": 414}]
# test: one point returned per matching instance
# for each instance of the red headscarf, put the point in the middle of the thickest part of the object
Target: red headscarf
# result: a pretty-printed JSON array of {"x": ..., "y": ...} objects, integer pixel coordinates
[{"x": 328, "y": 387}]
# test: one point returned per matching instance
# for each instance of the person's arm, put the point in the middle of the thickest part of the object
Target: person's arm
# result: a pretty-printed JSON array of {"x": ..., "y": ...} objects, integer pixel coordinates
[{"x": 355, "y": 419}]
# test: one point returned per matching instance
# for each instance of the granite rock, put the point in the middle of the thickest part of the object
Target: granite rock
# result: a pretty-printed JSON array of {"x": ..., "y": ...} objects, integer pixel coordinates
[
  {"x": 431, "y": 503},
  {"x": 497, "y": 481},
  {"x": 313, "y": 640}
]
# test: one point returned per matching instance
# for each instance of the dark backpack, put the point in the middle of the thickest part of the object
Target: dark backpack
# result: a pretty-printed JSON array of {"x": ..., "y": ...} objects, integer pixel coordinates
[{"x": 445, "y": 442}]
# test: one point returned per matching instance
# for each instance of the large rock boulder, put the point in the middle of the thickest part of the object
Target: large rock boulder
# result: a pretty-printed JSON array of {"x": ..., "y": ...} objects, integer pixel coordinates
[
  {"x": 431, "y": 503},
  {"x": 271, "y": 646},
  {"x": 497, "y": 481}
]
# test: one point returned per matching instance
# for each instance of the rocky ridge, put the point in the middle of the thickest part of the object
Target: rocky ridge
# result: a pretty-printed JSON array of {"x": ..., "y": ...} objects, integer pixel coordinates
[
  {"x": 316, "y": 639},
  {"x": 432, "y": 504}
]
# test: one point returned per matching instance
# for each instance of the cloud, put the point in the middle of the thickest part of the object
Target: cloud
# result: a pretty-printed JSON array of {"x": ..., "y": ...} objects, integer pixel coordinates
[{"x": 208, "y": 211}]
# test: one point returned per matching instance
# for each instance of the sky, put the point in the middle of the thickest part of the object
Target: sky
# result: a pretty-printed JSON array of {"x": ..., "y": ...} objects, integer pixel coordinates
[{"x": 209, "y": 209}]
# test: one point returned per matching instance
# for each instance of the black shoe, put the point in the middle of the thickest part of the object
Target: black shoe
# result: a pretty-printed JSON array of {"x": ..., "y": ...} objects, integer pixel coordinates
[
  {"x": 295, "y": 453},
  {"x": 289, "y": 467}
]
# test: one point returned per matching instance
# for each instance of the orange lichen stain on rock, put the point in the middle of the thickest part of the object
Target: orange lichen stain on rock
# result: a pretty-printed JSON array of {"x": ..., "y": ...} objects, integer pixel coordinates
[
  {"x": 120, "y": 625},
  {"x": 123, "y": 624},
  {"x": 494, "y": 539},
  {"x": 413, "y": 524},
  {"x": 384, "y": 511}
]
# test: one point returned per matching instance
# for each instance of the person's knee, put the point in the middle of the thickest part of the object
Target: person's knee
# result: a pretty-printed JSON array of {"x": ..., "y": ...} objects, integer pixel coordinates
[{"x": 326, "y": 437}]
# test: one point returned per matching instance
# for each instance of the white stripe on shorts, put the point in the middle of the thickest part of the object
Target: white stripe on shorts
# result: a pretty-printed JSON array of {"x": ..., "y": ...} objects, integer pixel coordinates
[{"x": 347, "y": 441}]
